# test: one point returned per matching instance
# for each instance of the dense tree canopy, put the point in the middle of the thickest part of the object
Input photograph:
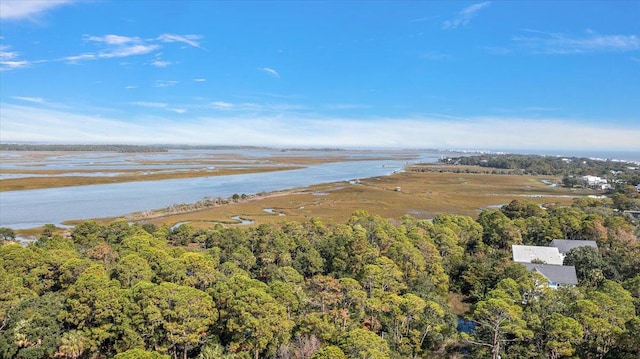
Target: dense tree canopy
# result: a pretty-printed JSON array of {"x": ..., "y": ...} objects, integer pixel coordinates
[{"x": 367, "y": 288}]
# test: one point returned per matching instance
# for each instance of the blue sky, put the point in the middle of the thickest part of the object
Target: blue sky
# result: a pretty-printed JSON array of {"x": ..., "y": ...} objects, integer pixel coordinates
[{"x": 426, "y": 74}]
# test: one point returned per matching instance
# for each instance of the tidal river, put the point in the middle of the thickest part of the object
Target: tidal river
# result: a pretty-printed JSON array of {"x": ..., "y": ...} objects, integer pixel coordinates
[{"x": 33, "y": 208}]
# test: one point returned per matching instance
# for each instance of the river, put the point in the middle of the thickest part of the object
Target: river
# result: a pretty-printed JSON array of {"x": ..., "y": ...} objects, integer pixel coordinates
[{"x": 33, "y": 208}]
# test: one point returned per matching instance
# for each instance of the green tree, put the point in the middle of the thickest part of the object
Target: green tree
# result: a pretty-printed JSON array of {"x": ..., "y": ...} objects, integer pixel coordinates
[
  {"x": 72, "y": 345},
  {"x": 563, "y": 334},
  {"x": 132, "y": 269},
  {"x": 498, "y": 316},
  {"x": 187, "y": 314},
  {"x": 250, "y": 318},
  {"x": 7, "y": 234},
  {"x": 329, "y": 352},
  {"x": 364, "y": 344},
  {"x": 140, "y": 354}
]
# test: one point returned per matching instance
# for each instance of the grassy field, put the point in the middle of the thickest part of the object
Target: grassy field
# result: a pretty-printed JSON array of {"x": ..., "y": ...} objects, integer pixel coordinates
[{"x": 420, "y": 194}]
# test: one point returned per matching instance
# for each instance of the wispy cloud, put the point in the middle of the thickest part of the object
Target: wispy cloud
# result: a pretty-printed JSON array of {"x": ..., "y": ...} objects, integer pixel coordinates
[
  {"x": 159, "y": 105},
  {"x": 464, "y": 17},
  {"x": 558, "y": 43},
  {"x": 166, "y": 83},
  {"x": 271, "y": 71},
  {"x": 149, "y": 104},
  {"x": 347, "y": 106},
  {"x": 199, "y": 80},
  {"x": 29, "y": 99},
  {"x": 30, "y": 123},
  {"x": 161, "y": 63},
  {"x": 118, "y": 46},
  {"x": 27, "y": 9},
  {"x": 222, "y": 105},
  {"x": 115, "y": 39},
  {"x": 190, "y": 40},
  {"x": 10, "y": 60},
  {"x": 131, "y": 87}
]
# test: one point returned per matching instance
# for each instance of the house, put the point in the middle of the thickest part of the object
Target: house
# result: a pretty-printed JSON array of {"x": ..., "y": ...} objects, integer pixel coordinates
[
  {"x": 556, "y": 275},
  {"x": 565, "y": 245},
  {"x": 529, "y": 254},
  {"x": 594, "y": 181}
]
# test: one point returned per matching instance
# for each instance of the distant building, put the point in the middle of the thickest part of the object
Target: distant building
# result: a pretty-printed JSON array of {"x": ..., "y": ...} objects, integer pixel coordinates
[
  {"x": 596, "y": 182},
  {"x": 529, "y": 254},
  {"x": 556, "y": 275},
  {"x": 565, "y": 245}
]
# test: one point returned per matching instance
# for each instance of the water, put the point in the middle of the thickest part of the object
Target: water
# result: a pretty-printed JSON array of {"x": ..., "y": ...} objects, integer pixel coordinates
[{"x": 33, "y": 208}]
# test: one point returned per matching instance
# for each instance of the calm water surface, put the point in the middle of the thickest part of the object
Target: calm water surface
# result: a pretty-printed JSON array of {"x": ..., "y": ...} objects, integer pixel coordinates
[{"x": 32, "y": 208}]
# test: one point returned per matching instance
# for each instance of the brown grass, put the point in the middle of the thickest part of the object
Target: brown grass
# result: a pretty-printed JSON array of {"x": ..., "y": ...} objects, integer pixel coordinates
[{"x": 422, "y": 195}]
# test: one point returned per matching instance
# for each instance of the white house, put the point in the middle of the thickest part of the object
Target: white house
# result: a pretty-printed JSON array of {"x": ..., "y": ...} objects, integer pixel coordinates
[
  {"x": 529, "y": 254},
  {"x": 594, "y": 181}
]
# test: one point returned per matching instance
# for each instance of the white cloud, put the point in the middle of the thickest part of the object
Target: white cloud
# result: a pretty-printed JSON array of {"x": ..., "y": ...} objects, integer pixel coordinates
[
  {"x": 27, "y": 123},
  {"x": 110, "y": 46},
  {"x": 161, "y": 63},
  {"x": 26, "y": 9},
  {"x": 200, "y": 80},
  {"x": 557, "y": 43},
  {"x": 186, "y": 39},
  {"x": 464, "y": 17},
  {"x": 130, "y": 87},
  {"x": 347, "y": 106},
  {"x": 271, "y": 72},
  {"x": 81, "y": 57},
  {"x": 149, "y": 104},
  {"x": 222, "y": 105},
  {"x": 10, "y": 60},
  {"x": 29, "y": 99},
  {"x": 165, "y": 83},
  {"x": 126, "y": 51},
  {"x": 114, "y": 39}
]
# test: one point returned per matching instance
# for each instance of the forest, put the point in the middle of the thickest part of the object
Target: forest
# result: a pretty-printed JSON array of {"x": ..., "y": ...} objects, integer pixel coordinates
[{"x": 367, "y": 288}]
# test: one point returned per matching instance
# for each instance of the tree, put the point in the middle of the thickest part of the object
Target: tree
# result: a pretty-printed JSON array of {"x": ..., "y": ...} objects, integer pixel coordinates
[
  {"x": 563, "y": 334},
  {"x": 329, "y": 352},
  {"x": 364, "y": 344},
  {"x": 72, "y": 345},
  {"x": 140, "y": 354},
  {"x": 31, "y": 328},
  {"x": 131, "y": 270},
  {"x": 500, "y": 320},
  {"x": 187, "y": 314},
  {"x": 250, "y": 318},
  {"x": 603, "y": 315},
  {"x": 498, "y": 230},
  {"x": 7, "y": 234},
  {"x": 588, "y": 263}
]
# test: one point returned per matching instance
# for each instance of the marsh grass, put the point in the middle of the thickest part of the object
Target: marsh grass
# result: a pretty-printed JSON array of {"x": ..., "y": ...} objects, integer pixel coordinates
[{"x": 420, "y": 194}]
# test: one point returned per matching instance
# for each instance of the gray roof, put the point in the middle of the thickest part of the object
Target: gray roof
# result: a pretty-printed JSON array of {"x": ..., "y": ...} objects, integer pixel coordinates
[
  {"x": 555, "y": 273},
  {"x": 565, "y": 245},
  {"x": 527, "y": 254}
]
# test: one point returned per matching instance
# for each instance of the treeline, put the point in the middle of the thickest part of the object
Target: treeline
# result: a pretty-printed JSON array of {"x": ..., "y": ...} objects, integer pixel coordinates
[
  {"x": 546, "y": 165},
  {"x": 367, "y": 288}
]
